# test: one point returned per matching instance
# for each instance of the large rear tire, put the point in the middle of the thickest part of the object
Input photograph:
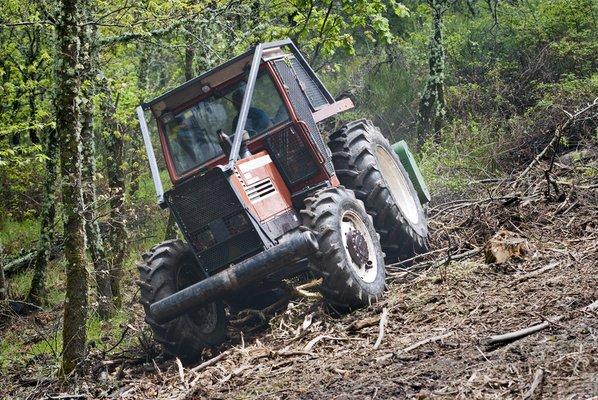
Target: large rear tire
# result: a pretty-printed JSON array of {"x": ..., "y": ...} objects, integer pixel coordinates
[
  {"x": 166, "y": 269},
  {"x": 350, "y": 259},
  {"x": 366, "y": 163}
]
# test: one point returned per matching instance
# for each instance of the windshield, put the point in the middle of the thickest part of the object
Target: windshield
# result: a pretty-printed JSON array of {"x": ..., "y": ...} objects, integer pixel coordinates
[{"x": 192, "y": 134}]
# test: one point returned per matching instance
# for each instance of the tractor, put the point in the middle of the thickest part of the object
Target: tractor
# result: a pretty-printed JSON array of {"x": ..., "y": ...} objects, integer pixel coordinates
[{"x": 261, "y": 197}]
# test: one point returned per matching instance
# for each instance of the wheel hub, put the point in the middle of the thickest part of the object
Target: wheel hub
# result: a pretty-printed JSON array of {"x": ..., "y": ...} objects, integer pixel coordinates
[{"x": 357, "y": 247}]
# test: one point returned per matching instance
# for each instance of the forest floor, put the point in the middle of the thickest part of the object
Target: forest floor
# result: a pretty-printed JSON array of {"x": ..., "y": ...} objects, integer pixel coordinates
[{"x": 436, "y": 317}]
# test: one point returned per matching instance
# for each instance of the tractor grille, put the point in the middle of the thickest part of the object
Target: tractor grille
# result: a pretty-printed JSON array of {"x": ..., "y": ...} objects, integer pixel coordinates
[
  {"x": 292, "y": 81},
  {"x": 212, "y": 220},
  {"x": 292, "y": 156}
]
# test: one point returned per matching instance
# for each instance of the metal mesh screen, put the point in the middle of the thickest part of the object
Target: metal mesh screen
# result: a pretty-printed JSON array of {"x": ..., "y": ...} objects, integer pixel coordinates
[
  {"x": 292, "y": 156},
  {"x": 230, "y": 251},
  {"x": 314, "y": 95},
  {"x": 302, "y": 108},
  {"x": 201, "y": 200}
]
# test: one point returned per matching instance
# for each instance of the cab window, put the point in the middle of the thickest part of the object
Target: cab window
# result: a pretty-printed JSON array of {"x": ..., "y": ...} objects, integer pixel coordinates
[{"x": 192, "y": 133}]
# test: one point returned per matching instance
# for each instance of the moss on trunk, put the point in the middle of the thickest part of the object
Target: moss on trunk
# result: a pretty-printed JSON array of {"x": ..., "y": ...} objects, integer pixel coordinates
[
  {"x": 432, "y": 105},
  {"x": 115, "y": 145},
  {"x": 95, "y": 242},
  {"x": 68, "y": 126}
]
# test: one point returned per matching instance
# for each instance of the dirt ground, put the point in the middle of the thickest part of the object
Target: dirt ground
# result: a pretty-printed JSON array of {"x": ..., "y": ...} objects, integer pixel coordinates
[{"x": 436, "y": 319}]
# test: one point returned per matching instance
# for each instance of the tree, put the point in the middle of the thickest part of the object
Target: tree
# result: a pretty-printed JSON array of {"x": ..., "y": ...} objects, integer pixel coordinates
[
  {"x": 68, "y": 126},
  {"x": 37, "y": 290},
  {"x": 432, "y": 105},
  {"x": 92, "y": 229},
  {"x": 114, "y": 138}
]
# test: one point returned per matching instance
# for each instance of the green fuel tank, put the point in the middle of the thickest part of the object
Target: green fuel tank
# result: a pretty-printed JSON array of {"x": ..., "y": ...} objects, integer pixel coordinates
[{"x": 415, "y": 175}]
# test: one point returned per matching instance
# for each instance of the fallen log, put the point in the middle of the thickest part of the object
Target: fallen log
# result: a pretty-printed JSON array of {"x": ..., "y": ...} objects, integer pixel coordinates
[
  {"x": 516, "y": 335},
  {"x": 15, "y": 266}
]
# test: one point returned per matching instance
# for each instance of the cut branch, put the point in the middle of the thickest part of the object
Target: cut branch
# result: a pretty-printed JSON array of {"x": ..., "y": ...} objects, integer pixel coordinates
[
  {"x": 520, "y": 334},
  {"x": 383, "y": 321},
  {"x": 535, "y": 273},
  {"x": 425, "y": 341}
]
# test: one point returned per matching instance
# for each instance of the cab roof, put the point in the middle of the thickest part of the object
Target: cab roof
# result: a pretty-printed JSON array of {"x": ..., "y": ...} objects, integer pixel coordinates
[{"x": 220, "y": 74}]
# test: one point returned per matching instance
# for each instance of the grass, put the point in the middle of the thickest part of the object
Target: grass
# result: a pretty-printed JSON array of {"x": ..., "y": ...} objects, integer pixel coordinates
[
  {"x": 16, "y": 235},
  {"x": 38, "y": 337}
]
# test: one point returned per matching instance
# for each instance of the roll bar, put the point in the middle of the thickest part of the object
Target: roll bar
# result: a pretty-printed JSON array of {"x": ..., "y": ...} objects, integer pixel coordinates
[{"x": 151, "y": 156}]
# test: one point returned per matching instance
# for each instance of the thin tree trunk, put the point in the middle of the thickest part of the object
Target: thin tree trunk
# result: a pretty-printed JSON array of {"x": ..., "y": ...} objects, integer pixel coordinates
[
  {"x": 33, "y": 136},
  {"x": 92, "y": 228},
  {"x": 68, "y": 126},
  {"x": 432, "y": 107},
  {"x": 171, "y": 228},
  {"x": 3, "y": 291},
  {"x": 37, "y": 291},
  {"x": 189, "y": 56},
  {"x": 115, "y": 146},
  {"x": 137, "y": 153}
]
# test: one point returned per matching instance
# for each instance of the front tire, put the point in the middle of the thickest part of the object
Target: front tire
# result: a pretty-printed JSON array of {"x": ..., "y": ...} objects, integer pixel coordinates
[
  {"x": 166, "y": 269},
  {"x": 366, "y": 163},
  {"x": 350, "y": 259}
]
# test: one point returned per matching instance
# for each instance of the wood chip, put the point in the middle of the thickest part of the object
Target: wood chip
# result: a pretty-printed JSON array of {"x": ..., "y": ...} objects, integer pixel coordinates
[
  {"x": 383, "y": 321},
  {"x": 535, "y": 390}
]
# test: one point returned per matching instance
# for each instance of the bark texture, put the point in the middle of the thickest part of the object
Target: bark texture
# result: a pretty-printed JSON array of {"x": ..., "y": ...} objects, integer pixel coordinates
[
  {"x": 37, "y": 290},
  {"x": 68, "y": 126},
  {"x": 95, "y": 243},
  {"x": 432, "y": 106},
  {"x": 115, "y": 145},
  {"x": 137, "y": 152}
]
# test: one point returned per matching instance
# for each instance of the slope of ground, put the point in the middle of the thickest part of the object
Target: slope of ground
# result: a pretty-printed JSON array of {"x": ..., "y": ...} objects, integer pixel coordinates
[{"x": 436, "y": 318}]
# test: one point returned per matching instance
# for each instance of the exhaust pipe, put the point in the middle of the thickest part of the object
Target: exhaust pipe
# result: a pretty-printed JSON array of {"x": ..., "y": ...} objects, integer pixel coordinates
[{"x": 224, "y": 283}]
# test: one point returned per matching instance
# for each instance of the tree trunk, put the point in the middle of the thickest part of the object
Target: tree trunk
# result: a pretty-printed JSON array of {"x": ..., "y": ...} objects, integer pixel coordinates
[
  {"x": 115, "y": 145},
  {"x": 432, "y": 107},
  {"x": 137, "y": 153},
  {"x": 92, "y": 228},
  {"x": 33, "y": 136},
  {"x": 37, "y": 291},
  {"x": 3, "y": 291},
  {"x": 171, "y": 231},
  {"x": 68, "y": 126},
  {"x": 189, "y": 55}
]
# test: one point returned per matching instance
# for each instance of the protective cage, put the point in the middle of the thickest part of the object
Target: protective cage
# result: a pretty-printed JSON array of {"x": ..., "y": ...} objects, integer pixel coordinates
[
  {"x": 291, "y": 155},
  {"x": 306, "y": 97},
  {"x": 213, "y": 220}
]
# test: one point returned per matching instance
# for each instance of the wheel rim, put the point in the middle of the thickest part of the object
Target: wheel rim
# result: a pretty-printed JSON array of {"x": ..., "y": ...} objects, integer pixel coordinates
[
  {"x": 397, "y": 185},
  {"x": 353, "y": 226},
  {"x": 205, "y": 318}
]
